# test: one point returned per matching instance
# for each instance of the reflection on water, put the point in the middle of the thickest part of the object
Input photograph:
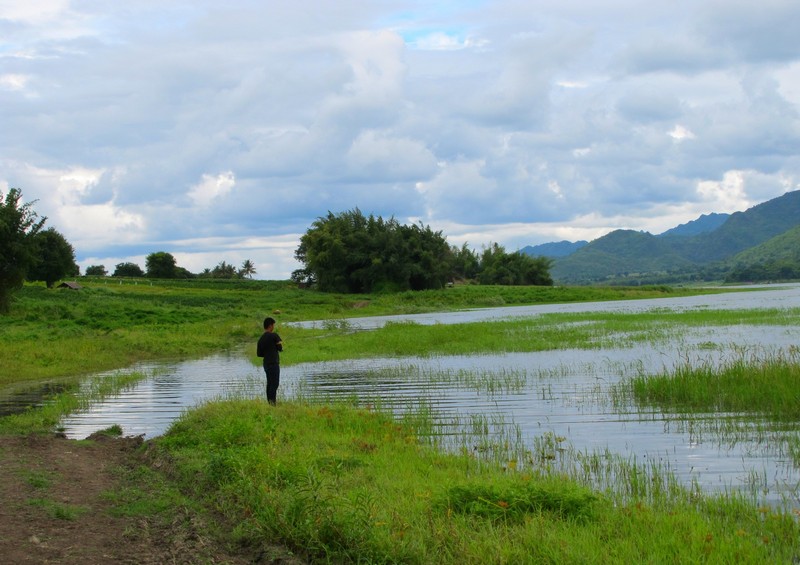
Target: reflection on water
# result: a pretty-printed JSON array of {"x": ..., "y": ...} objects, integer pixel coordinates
[
  {"x": 562, "y": 393},
  {"x": 22, "y": 398}
]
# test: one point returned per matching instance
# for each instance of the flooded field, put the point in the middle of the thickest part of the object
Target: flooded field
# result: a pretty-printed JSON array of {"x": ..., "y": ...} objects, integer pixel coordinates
[{"x": 560, "y": 409}]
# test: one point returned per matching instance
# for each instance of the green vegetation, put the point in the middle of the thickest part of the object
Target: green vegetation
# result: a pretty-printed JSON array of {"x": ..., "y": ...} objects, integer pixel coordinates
[
  {"x": 342, "y": 485},
  {"x": 349, "y": 252},
  {"x": 113, "y": 323},
  {"x": 73, "y": 396},
  {"x": 775, "y": 259},
  {"x": 59, "y": 510},
  {"x": 768, "y": 386},
  {"x": 19, "y": 225},
  {"x": 545, "y": 332}
]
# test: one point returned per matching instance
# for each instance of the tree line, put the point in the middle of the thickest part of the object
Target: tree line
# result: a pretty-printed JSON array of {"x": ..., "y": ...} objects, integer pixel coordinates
[
  {"x": 163, "y": 265},
  {"x": 346, "y": 252},
  {"x": 353, "y": 253}
]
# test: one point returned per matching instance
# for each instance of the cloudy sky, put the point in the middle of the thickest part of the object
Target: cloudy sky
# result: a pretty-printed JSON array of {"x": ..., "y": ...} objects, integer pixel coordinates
[{"x": 220, "y": 130}]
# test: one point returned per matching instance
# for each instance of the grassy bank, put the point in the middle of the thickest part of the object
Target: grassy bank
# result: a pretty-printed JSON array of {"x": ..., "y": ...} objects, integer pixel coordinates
[
  {"x": 111, "y": 323},
  {"x": 342, "y": 485}
]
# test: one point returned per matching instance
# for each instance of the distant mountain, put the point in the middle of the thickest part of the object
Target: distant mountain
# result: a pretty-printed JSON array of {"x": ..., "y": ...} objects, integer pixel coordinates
[
  {"x": 783, "y": 247},
  {"x": 775, "y": 259},
  {"x": 704, "y": 224},
  {"x": 630, "y": 256},
  {"x": 557, "y": 249},
  {"x": 554, "y": 249},
  {"x": 621, "y": 253},
  {"x": 746, "y": 229}
]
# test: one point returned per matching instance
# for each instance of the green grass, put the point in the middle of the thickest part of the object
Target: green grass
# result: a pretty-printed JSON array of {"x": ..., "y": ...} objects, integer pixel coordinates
[
  {"x": 59, "y": 510},
  {"x": 53, "y": 333},
  {"x": 541, "y": 333},
  {"x": 342, "y": 485},
  {"x": 767, "y": 385}
]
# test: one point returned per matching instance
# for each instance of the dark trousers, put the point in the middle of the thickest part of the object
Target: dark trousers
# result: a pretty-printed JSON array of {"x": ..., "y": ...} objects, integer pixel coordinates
[{"x": 273, "y": 381}]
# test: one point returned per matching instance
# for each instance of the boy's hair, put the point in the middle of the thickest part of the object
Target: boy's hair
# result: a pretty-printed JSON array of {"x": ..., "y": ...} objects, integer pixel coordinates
[{"x": 269, "y": 322}]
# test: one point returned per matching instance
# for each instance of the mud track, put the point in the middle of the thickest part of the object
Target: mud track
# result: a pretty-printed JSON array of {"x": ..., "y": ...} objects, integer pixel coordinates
[{"x": 57, "y": 506}]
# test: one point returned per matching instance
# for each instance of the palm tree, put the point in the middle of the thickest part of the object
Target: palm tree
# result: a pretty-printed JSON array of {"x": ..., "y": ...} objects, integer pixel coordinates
[{"x": 248, "y": 269}]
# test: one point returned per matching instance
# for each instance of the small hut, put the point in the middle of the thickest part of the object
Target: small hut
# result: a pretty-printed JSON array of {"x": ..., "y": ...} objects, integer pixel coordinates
[{"x": 72, "y": 285}]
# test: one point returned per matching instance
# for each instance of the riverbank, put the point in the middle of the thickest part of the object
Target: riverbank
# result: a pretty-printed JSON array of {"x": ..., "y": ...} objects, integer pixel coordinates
[{"x": 339, "y": 484}]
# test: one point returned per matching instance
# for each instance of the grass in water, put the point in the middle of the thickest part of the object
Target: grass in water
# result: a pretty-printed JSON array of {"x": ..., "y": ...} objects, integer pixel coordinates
[
  {"x": 74, "y": 396},
  {"x": 768, "y": 385},
  {"x": 339, "y": 484}
]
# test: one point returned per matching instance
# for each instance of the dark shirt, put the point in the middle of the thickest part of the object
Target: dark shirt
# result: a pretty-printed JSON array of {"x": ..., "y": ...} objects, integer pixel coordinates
[{"x": 268, "y": 347}]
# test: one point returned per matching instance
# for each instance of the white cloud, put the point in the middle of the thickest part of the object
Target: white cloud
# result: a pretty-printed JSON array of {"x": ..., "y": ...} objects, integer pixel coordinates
[
  {"x": 14, "y": 82},
  {"x": 726, "y": 195},
  {"x": 679, "y": 133},
  {"x": 33, "y": 13},
  {"x": 442, "y": 41},
  {"x": 377, "y": 155},
  {"x": 211, "y": 188}
]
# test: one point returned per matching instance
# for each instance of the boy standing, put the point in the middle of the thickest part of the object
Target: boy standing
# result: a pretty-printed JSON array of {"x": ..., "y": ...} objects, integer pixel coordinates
[{"x": 269, "y": 347}]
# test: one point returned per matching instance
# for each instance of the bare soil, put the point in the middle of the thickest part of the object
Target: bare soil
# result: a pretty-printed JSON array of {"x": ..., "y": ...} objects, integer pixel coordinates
[{"x": 55, "y": 508}]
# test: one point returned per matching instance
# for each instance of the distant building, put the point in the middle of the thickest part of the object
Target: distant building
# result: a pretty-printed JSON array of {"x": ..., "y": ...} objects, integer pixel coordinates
[{"x": 72, "y": 285}]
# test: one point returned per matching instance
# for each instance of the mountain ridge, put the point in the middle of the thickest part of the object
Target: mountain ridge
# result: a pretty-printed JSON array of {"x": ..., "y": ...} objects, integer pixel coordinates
[{"x": 693, "y": 251}]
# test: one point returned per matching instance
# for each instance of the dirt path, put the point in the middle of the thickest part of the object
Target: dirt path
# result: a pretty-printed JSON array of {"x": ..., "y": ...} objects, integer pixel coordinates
[{"x": 55, "y": 508}]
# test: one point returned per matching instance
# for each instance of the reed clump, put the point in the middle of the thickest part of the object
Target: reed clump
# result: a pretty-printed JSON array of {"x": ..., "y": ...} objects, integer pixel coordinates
[{"x": 767, "y": 384}]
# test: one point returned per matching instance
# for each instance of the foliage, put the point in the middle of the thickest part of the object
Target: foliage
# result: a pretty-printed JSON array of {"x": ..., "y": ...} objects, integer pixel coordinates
[
  {"x": 248, "y": 269},
  {"x": 499, "y": 267},
  {"x": 222, "y": 271},
  {"x": 161, "y": 265},
  {"x": 128, "y": 269},
  {"x": 349, "y": 252},
  {"x": 96, "y": 271},
  {"x": 465, "y": 263},
  {"x": 775, "y": 259},
  {"x": 55, "y": 258},
  {"x": 19, "y": 225},
  {"x": 352, "y": 253}
]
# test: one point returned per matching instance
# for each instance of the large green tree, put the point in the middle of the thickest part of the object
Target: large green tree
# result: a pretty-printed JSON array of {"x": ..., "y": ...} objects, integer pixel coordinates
[
  {"x": 350, "y": 252},
  {"x": 19, "y": 225},
  {"x": 55, "y": 258},
  {"x": 96, "y": 271},
  {"x": 161, "y": 265},
  {"x": 499, "y": 267},
  {"x": 127, "y": 269}
]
